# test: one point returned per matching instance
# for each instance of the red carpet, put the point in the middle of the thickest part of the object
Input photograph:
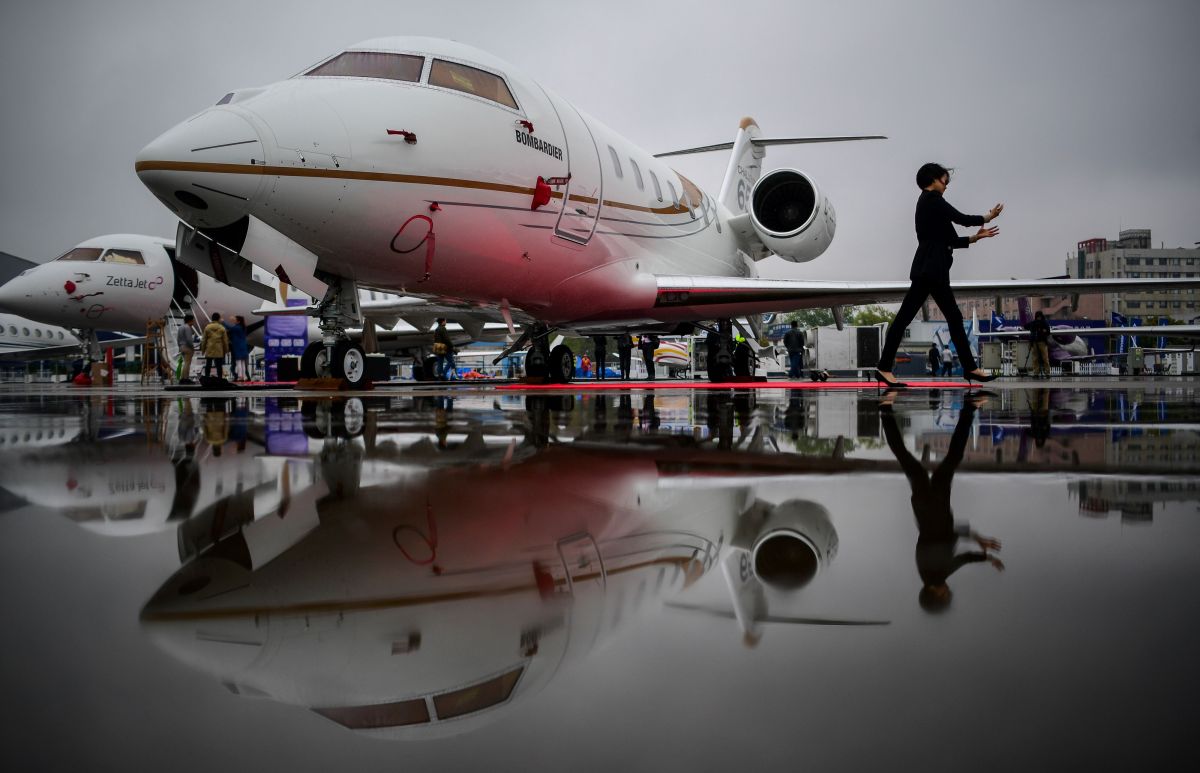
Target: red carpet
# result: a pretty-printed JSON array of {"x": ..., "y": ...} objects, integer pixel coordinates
[{"x": 587, "y": 386}]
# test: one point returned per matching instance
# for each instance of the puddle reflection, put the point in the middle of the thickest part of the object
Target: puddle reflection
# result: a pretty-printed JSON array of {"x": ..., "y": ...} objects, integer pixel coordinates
[{"x": 417, "y": 566}]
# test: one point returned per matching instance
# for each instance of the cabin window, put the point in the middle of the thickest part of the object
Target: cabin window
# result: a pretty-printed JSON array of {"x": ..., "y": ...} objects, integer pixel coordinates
[
  {"x": 60, "y": 335},
  {"x": 477, "y": 697},
  {"x": 81, "y": 253},
  {"x": 413, "y": 712},
  {"x": 25, "y": 332},
  {"x": 616, "y": 162},
  {"x": 637, "y": 175},
  {"x": 127, "y": 257},
  {"x": 657, "y": 187},
  {"x": 37, "y": 333},
  {"x": 471, "y": 80},
  {"x": 372, "y": 64},
  {"x": 12, "y": 330}
]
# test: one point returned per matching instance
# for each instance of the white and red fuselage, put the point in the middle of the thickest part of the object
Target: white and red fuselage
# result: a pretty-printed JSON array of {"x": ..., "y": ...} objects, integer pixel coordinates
[{"x": 428, "y": 185}]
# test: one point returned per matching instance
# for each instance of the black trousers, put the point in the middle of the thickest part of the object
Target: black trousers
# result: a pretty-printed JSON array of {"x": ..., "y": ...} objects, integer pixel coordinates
[{"x": 943, "y": 296}]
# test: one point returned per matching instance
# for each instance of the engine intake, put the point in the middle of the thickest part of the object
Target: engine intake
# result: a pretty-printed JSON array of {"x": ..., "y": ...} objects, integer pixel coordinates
[{"x": 790, "y": 215}]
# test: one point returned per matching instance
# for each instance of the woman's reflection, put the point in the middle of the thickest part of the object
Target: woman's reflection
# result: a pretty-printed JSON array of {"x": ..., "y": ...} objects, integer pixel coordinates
[{"x": 939, "y": 536}]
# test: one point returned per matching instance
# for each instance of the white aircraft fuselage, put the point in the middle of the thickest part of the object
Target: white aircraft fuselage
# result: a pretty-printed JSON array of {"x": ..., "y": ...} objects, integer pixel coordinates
[
  {"x": 415, "y": 187},
  {"x": 113, "y": 282}
]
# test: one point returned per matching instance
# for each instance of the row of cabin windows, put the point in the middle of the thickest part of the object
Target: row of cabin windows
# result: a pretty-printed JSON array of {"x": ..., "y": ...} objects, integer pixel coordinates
[
  {"x": 407, "y": 68},
  {"x": 458, "y": 77},
  {"x": 37, "y": 333},
  {"x": 637, "y": 178}
]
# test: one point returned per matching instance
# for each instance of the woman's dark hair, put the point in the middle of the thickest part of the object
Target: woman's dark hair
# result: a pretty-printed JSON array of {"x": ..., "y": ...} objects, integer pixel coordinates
[{"x": 930, "y": 172}]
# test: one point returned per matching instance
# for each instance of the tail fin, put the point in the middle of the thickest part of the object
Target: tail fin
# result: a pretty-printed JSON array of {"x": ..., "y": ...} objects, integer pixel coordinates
[{"x": 745, "y": 167}]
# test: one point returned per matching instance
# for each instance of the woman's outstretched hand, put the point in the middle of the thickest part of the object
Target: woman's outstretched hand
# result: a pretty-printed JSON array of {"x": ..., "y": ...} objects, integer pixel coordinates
[
  {"x": 984, "y": 233},
  {"x": 993, "y": 213}
]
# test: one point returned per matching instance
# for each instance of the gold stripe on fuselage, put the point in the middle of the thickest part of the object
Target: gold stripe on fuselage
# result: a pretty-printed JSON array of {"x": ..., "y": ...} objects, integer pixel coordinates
[{"x": 387, "y": 177}]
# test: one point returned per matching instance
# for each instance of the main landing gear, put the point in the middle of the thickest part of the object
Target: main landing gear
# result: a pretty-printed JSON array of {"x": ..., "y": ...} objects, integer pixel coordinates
[
  {"x": 335, "y": 355},
  {"x": 727, "y": 358},
  {"x": 556, "y": 365}
]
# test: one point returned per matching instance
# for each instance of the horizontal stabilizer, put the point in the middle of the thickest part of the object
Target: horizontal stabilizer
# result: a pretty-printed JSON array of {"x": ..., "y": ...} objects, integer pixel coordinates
[{"x": 762, "y": 142}]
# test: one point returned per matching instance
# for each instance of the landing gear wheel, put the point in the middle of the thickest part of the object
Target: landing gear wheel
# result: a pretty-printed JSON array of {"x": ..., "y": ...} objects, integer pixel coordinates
[
  {"x": 562, "y": 364},
  {"x": 315, "y": 360},
  {"x": 535, "y": 362},
  {"x": 348, "y": 418},
  {"x": 349, "y": 363},
  {"x": 743, "y": 361},
  {"x": 424, "y": 369}
]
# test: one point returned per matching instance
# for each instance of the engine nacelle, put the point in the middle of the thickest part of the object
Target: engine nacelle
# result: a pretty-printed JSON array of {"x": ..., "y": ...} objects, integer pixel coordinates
[
  {"x": 790, "y": 215},
  {"x": 793, "y": 543}
]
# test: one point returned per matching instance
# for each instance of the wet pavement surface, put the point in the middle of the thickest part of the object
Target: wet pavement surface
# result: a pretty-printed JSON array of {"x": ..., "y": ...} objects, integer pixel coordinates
[{"x": 704, "y": 580}]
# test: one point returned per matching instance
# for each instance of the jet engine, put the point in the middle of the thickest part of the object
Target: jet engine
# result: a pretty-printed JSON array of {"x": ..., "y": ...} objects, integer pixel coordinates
[
  {"x": 794, "y": 541},
  {"x": 790, "y": 215}
]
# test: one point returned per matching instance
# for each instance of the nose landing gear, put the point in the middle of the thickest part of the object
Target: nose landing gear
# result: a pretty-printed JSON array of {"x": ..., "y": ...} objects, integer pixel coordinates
[{"x": 335, "y": 355}]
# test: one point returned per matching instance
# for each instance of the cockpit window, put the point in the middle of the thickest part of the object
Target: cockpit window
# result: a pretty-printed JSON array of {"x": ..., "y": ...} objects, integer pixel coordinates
[
  {"x": 129, "y": 257},
  {"x": 377, "y": 715},
  {"x": 81, "y": 253},
  {"x": 477, "y": 697},
  {"x": 372, "y": 64},
  {"x": 451, "y": 75}
]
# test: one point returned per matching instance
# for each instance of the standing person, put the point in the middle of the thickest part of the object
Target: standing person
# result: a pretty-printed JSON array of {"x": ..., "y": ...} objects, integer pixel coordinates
[
  {"x": 185, "y": 339},
  {"x": 947, "y": 361},
  {"x": 1039, "y": 335},
  {"x": 215, "y": 345},
  {"x": 601, "y": 343},
  {"x": 239, "y": 370},
  {"x": 930, "y": 273},
  {"x": 793, "y": 341},
  {"x": 624, "y": 354},
  {"x": 585, "y": 366},
  {"x": 648, "y": 344},
  {"x": 443, "y": 349},
  {"x": 931, "y": 360}
]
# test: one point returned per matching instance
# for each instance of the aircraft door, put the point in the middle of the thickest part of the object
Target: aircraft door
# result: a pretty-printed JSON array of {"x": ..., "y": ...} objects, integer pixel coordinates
[
  {"x": 587, "y": 582},
  {"x": 585, "y": 185}
]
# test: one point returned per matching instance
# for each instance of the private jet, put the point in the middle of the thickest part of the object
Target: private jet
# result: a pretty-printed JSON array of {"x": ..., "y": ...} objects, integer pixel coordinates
[{"x": 430, "y": 168}]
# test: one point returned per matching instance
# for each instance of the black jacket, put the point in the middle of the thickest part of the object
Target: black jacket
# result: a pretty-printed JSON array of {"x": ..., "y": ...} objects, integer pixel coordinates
[{"x": 936, "y": 237}]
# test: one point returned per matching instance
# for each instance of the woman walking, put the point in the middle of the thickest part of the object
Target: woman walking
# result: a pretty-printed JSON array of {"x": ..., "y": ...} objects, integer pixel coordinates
[{"x": 930, "y": 274}]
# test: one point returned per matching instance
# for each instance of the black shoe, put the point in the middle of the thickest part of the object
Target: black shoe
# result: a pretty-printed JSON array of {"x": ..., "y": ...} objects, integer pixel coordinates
[
  {"x": 893, "y": 384},
  {"x": 970, "y": 377}
]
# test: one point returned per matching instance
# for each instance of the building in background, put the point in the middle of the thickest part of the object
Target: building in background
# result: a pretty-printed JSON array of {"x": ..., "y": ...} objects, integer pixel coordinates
[{"x": 1133, "y": 255}]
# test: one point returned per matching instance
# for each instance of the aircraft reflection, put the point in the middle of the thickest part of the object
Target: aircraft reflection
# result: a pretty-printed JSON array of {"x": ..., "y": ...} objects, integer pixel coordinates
[{"x": 419, "y": 604}]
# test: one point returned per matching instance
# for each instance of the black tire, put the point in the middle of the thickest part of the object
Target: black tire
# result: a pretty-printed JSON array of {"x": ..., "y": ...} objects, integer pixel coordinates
[
  {"x": 349, "y": 363},
  {"x": 423, "y": 370},
  {"x": 313, "y": 361},
  {"x": 561, "y": 367},
  {"x": 743, "y": 361},
  {"x": 535, "y": 363}
]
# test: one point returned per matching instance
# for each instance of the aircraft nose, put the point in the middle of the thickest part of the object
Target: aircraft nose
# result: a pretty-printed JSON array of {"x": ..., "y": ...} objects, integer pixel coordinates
[
  {"x": 16, "y": 295},
  {"x": 208, "y": 169}
]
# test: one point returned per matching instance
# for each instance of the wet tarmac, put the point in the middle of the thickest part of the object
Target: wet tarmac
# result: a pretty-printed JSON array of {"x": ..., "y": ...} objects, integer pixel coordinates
[{"x": 767, "y": 579}]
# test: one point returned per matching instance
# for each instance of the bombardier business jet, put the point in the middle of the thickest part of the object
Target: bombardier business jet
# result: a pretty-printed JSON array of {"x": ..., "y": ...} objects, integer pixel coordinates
[{"x": 426, "y": 167}]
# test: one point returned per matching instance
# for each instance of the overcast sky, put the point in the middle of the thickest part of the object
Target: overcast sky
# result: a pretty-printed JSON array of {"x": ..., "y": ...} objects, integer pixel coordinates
[{"x": 1081, "y": 116}]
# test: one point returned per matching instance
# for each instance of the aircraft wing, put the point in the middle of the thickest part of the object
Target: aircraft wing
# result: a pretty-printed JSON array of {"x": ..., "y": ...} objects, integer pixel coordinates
[
  {"x": 68, "y": 352},
  {"x": 1151, "y": 331},
  {"x": 720, "y": 296}
]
